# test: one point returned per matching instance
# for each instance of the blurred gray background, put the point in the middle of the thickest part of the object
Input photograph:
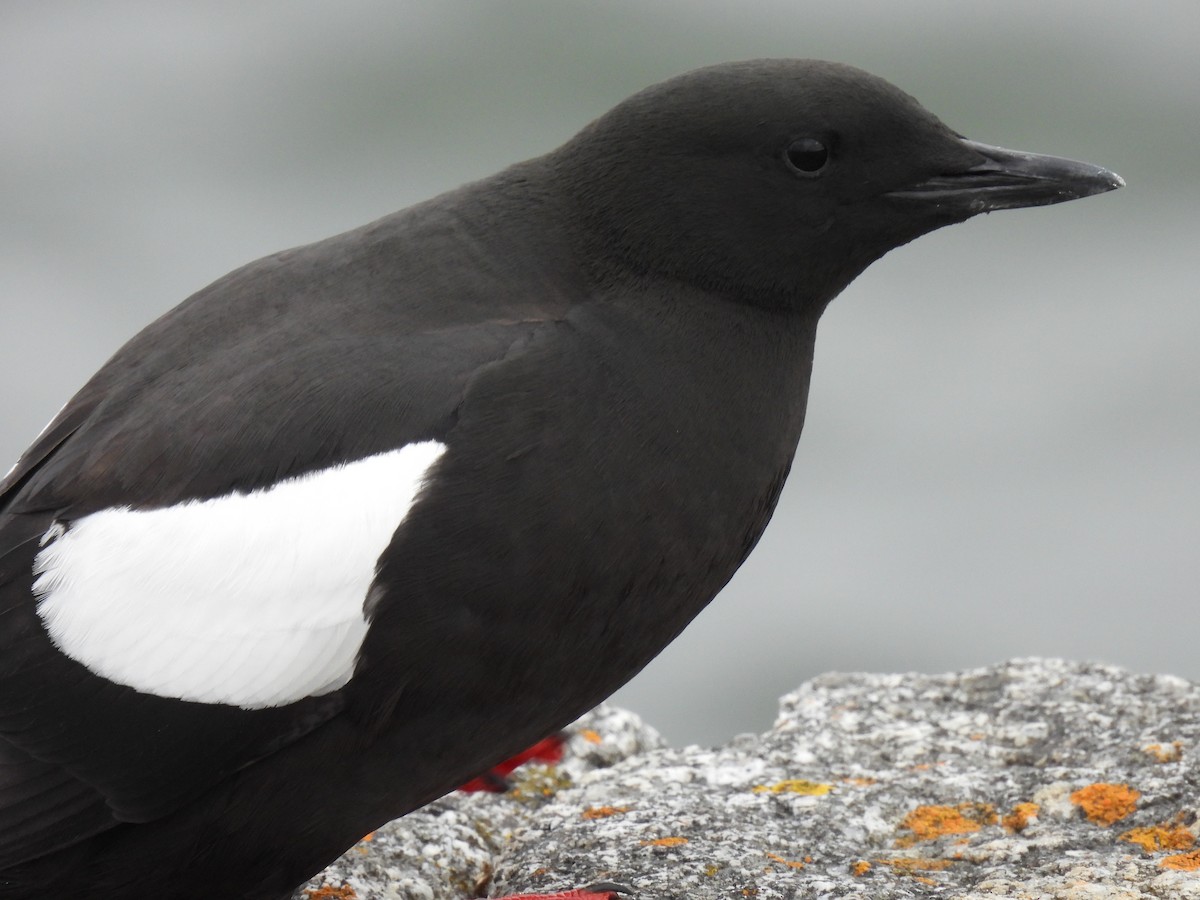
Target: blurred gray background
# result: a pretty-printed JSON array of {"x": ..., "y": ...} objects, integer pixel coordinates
[{"x": 1000, "y": 457}]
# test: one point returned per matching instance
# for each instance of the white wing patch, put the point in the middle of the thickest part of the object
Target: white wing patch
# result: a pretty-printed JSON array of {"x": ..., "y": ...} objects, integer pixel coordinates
[{"x": 253, "y": 600}]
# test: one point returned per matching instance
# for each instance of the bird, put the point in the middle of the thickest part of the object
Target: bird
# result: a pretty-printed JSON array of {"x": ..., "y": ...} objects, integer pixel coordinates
[{"x": 364, "y": 518}]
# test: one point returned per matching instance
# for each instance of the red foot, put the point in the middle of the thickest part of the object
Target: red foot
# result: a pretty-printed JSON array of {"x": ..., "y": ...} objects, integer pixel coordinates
[
  {"x": 604, "y": 890},
  {"x": 548, "y": 750},
  {"x": 577, "y": 894}
]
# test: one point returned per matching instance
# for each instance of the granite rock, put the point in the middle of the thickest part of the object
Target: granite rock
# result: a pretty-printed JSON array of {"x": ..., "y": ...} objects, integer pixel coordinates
[{"x": 1033, "y": 779}]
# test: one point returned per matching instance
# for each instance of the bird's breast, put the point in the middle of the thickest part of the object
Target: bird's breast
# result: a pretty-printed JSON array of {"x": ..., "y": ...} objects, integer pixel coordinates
[{"x": 599, "y": 489}]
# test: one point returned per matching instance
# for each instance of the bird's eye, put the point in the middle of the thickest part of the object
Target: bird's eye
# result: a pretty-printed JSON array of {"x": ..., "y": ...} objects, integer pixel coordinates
[{"x": 807, "y": 156}]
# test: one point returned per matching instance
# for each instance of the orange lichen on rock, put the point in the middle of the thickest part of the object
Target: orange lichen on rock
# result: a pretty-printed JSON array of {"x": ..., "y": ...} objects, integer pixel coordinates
[
  {"x": 329, "y": 892},
  {"x": 860, "y": 782},
  {"x": 909, "y": 867},
  {"x": 983, "y": 813},
  {"x": 592, "y": 737},
  {"x": 929, "y": 822},
  {"x": 665, "y": 842},
  {"x": 1184, "y": 862},
  {"x": 912, "y": 867},
  {"x": 1172, "y": 752},
  {"x": 1018, "y": 820},
  {"x": 795, "y": 786},
  {"x": 603, "y": 812},
  {"x": 1163, "y": 836},
  {"x": 1105, "y": 804},
  {"x": 790, "y": 863},
  {"x": 917, "y": 865}
]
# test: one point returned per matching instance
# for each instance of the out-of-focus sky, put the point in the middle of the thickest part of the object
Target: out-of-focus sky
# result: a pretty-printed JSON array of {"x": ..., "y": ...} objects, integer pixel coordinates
[{"x": 1001, "y": 456}]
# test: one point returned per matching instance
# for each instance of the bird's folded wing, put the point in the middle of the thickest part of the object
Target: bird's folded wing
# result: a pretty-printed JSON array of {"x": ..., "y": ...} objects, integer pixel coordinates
[{"x": 185, "y": 561}]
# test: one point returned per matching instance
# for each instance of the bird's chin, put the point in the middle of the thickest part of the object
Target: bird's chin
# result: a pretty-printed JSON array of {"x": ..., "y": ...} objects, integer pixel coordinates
[{"x": 1007, "y": 179}]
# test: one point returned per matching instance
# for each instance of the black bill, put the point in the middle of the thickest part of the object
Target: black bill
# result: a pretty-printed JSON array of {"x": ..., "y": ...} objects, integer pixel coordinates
[{"x": 1008, "y": 179}]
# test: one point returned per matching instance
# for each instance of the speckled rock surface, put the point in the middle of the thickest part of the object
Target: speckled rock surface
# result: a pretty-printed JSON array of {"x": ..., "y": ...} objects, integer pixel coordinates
[
  {"x": 1035, "y": 779},
  {"x": 449, "y": 849}
]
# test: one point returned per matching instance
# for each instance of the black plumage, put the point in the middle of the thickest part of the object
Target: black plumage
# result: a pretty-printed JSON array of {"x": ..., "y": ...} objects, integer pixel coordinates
[{"x": 614, "y": 343}]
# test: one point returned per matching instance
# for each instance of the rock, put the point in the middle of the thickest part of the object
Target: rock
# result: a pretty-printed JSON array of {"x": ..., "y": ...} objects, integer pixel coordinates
[
  {"x": 1038, "y": 778},
  {"x": 449, "y": 849}
]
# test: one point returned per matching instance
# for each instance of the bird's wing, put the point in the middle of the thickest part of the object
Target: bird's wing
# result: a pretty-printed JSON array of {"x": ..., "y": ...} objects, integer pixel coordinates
[{"x": 175, "y": 593}]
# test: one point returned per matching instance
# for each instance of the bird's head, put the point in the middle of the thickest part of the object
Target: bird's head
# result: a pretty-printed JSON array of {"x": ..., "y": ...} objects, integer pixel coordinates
[{"x": 781, "y": 180}]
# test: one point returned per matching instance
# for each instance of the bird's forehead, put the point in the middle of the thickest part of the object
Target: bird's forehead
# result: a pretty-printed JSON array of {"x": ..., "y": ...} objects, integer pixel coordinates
[{"x": 731, "y": 102}]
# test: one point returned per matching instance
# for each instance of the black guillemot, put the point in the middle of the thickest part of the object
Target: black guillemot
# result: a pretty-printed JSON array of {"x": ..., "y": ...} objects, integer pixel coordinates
[{"x": 363, "y": 518}]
